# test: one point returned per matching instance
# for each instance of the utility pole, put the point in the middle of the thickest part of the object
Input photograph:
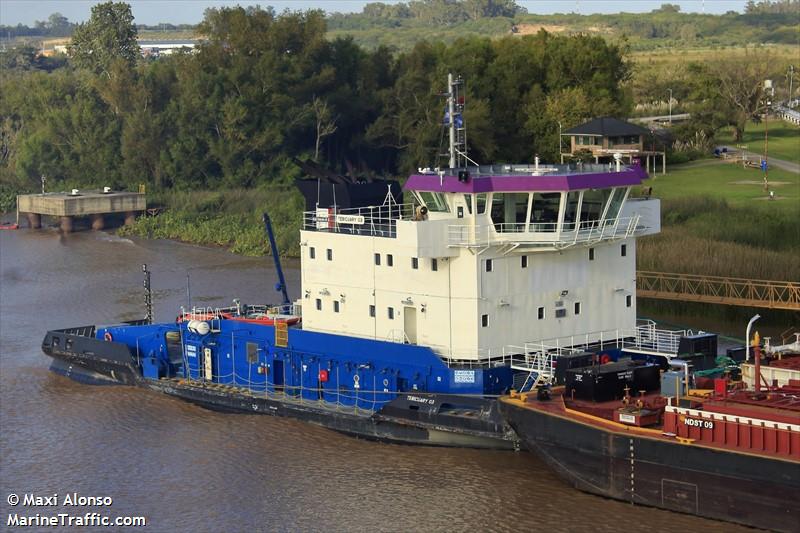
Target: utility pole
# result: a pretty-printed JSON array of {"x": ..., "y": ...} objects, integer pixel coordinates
[
  {"x": 559, "y": 143},
  {"x": 768, "y": 88},
  {"x": 791, "y": 79}
]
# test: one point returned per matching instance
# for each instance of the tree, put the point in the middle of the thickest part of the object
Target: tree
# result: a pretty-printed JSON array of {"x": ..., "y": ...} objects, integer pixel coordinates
[
  {"x": 324, "y": 122},
  {"x": 740, "y": 82},
  {"x": 109, "y": 35}
]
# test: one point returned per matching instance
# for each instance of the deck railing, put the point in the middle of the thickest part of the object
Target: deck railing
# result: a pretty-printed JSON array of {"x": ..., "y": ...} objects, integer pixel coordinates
[
  {"x": 376, "y": 221},
  {"x": 550, "y": 234}
]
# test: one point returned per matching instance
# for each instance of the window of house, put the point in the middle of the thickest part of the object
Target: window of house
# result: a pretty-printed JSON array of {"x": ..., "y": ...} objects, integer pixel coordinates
[
  {"x": 252, "y": 353},
  {"x": 540, "y": 313},
  {"x": 336, "y": 306},
  {"x": 330, "y": 254},
  {"x": 434, "y": 265},
  {"x": 484, "y": 321},
  {"x": 390, "y": 312},
  {"x": 628, "y": 301},
  {"x": 591, "y": 254},
  {"x": 524, "y": 261},
  {"x": 319, "y": 304},
  {"x": 489, "y": 265},
  {"x": 414, "y": 263},
  {"x": 312, "y": 252},
  {"x": 624, "y": 250},
  {"x": 577, "y": 308},
  {"x": 389, "y": 260},
  {"x": 372, "y": 311},
  {"x": 378, "y": 259}
]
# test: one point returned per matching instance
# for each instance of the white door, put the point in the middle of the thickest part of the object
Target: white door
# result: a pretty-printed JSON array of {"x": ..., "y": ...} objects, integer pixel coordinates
[{"x": 410, "y": 324}]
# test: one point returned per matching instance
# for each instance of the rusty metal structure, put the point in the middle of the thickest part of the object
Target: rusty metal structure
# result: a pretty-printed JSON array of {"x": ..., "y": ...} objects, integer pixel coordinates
[{"x": 719, "y": 290}]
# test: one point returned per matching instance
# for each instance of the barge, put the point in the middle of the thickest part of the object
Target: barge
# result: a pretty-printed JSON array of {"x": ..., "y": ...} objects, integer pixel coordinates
[{"x": 628, "y": 433}]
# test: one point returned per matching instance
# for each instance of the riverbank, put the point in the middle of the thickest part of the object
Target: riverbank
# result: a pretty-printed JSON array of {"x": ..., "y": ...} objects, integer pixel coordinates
[{"x": 229, "y": 218}]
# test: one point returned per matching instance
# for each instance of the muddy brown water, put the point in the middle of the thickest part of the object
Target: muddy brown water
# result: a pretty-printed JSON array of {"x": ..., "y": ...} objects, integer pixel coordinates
[{"x": 185, "y": 468}]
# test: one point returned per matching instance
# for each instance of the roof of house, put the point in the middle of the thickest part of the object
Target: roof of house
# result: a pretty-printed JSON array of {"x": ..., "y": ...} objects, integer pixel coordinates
[{"x": 607, "y": 127}]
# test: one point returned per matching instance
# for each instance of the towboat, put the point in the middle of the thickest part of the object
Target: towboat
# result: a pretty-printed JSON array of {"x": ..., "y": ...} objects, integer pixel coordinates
[{"x": 413, "y": 318}]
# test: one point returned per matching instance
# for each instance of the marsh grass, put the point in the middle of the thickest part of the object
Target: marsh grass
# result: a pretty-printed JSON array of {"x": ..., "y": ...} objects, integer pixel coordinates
[
  {"x": 229, "y": 218},
  {"x": 705, "y": 235}
]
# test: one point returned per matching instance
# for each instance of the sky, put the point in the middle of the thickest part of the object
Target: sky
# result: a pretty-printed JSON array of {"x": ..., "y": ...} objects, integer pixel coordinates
[{"x": 151, "y": 12}]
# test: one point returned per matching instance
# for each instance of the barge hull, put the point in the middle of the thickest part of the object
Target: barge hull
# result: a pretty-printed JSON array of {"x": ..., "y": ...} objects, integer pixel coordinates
[
  {"x": 724, "y": 485},
  {"x": 90, "y": 360}
]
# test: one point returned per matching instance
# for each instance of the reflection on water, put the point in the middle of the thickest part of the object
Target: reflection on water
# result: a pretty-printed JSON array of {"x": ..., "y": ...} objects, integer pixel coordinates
[{"x": 189, "y": 469}]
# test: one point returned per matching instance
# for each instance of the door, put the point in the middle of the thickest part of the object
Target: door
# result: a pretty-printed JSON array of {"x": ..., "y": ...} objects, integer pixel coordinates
[
  {"x": 277, "y": 374},
  {"x": 410, "y": 324},
  {"x": 209, "y": 375}
]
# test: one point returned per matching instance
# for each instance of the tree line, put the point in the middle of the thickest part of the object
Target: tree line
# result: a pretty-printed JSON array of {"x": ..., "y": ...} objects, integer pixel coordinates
[{"x": 265, "y": 88}]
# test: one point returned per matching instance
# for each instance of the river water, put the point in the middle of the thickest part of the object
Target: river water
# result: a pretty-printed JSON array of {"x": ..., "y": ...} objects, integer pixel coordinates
[{"x": 188, "y": 469}]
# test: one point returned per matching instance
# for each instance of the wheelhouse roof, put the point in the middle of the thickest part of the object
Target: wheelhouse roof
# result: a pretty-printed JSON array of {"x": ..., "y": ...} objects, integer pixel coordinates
[{"x": 562, "y": 179}]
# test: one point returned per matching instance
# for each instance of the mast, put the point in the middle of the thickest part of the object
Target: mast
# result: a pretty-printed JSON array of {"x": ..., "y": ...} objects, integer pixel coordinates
[{"x": 454, "y": 120}]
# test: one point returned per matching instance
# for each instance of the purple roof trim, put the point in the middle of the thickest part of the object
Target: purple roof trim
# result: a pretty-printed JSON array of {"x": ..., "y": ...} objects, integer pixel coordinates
[{"x": 430, "y": 182}]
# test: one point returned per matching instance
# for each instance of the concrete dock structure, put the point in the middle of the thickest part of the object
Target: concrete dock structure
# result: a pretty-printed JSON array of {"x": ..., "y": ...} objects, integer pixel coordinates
[{"x": 93, "y": 204}]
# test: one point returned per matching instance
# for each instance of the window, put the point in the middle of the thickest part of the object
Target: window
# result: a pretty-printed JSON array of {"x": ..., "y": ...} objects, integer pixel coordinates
[
  {"x": 561, "y": 313},
  {"x": 577, "y": 308},
  {"x": 389, "y": 260},
  {"x": 390, "y": 312},
  {"x": 414, "y": 263},
  {"x": 624, "y": 250},
  {"x": 628, "y": 301},
  {"x": 489, "y": 265},
  {"x": 617, "y": 196},
  {"x": 480, "y": 199},
  {"x": 336, "y": 306},
  {"x": 591, "y": 254},
  {"x": 330, "y": 254},
  {"x": 541, "y": 313},
  {"x": 319, "y": 304},
  {"x": 509, "y": 211},
  {"x": 594, "y": 202},
  {"x": 544, "y": 211},
  {"x": 378, "y": 259},
  {"x": 312, "y": 252},
  {"x": 484, "y": 321},
  {"x": 571, "y": 211},
  {"x": 252, "y": 353},
  {"x": 434, "y": 201},
  {"x": 372, "y": 311},
  {"x": 468, "y": 200},
  {"x": 524, "y": 261},
  {"x": 434, "y": 265}
]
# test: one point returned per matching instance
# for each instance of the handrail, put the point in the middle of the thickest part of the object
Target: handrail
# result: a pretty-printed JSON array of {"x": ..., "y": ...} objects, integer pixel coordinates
[{"x": 721, "y": 290}]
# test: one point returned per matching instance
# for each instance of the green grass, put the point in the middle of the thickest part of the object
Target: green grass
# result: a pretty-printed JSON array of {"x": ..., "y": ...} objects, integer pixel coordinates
[
  {"x": 783, "y": 140},
  {"x": 736, "y": 185}
]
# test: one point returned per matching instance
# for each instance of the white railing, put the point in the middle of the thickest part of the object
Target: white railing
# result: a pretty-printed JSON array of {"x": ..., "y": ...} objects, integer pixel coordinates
[
  {"x": 551, "y": 234},
  {"x": 377, "y": 220}
]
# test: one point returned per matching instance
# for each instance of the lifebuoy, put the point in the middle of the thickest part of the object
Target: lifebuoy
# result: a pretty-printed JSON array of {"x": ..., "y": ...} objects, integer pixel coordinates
[
  {"x": 107, "y": 337},
  {"x": 605, "y": 359}
]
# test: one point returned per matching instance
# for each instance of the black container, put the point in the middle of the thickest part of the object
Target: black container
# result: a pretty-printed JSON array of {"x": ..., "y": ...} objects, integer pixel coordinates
[
  {"x": 702, "y": 343},
  {"x": 567, "y": 361},
  {"x": 603, "y": 383}
]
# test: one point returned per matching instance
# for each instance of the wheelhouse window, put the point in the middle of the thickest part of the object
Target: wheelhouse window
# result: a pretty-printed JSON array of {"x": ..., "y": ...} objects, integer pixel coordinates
[
  {"x": 509, "y": 211},
  {"x": 468, "y": 201},
  {"x": 434, "y": 201},
  {"x": 544, "y": 211},
  {"x": 594, "y": 201},
  {"x": 571, "y": 211},
  {"x": 615, "y": 203},
  {"x": 480, "y": 203}
]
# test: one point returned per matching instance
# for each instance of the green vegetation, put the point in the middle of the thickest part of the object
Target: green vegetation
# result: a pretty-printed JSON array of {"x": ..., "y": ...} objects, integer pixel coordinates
[
  {"x": 783, "y": 143},
  {"x": 230, "y": 218},
  {"x": 717, "y": 220}
]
